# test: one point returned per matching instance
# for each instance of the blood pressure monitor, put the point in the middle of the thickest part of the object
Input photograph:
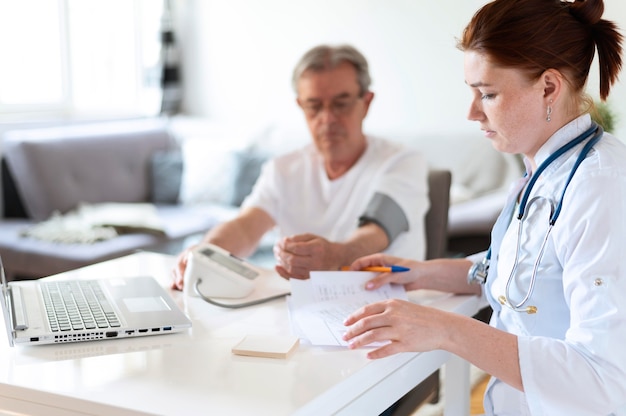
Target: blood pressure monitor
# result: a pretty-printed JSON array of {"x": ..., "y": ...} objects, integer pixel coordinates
[{"x": 221, "y": 274}]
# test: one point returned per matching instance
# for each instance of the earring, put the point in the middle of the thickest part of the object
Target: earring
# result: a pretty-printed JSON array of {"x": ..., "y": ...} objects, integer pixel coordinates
[{"x": 549, "y": 113}]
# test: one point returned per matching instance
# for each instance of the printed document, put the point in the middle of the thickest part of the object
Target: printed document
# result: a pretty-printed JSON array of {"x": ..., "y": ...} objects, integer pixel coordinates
[{"x": 318, "y": 306}]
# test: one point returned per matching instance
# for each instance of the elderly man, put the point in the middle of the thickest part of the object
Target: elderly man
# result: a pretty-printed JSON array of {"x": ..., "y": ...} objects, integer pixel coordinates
[{"x": 341, "y": 197}]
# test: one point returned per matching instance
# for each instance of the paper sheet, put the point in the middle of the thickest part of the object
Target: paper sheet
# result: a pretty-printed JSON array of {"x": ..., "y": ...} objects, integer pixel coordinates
[{"x": 318, "y": 306}]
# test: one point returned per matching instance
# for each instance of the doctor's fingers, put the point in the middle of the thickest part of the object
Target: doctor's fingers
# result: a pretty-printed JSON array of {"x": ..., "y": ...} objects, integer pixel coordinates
[
  {"x": 394, "y": 347},
  {"x": 406, "y": 278},
  {"x": 385, "y": 332},
  {"x": 392, "y": 338},
  {"x": 367, "y": 318},
  {"x": 413, "y": 326},
  {"x": 401, "y": 278},
  {"x": 378, "y": 259}
]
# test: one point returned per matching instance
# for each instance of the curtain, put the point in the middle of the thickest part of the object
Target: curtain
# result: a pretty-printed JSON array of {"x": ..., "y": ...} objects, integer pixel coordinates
[{"x": 170, "y": 73}]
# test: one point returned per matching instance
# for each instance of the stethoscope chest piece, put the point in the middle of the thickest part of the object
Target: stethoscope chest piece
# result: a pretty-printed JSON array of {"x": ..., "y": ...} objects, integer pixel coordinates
[{"x": 478, "y": 272}]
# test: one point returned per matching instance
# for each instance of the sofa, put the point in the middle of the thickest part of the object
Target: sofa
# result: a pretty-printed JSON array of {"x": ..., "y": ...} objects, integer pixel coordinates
[
  {"x": 125, "y": 168},
  {"x": 191, "y": 174}
]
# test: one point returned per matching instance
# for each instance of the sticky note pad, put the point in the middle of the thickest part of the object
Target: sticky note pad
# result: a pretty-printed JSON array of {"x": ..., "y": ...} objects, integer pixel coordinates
[{"x": 271, "y": 346}]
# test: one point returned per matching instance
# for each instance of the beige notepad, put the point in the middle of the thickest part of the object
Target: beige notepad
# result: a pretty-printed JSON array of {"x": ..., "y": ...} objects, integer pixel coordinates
[{"x": 271, "y": 346}]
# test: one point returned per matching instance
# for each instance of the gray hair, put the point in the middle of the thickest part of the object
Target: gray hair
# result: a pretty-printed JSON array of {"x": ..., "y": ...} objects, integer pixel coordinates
[{"x": 325, "y": 57}]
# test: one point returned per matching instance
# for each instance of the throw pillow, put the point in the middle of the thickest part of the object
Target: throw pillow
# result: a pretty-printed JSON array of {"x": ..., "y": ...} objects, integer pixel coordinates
[
  {"x": 209, "y": 167},
  {"x": 249, "y": 164},
  {"x": 166, "y": 171}
]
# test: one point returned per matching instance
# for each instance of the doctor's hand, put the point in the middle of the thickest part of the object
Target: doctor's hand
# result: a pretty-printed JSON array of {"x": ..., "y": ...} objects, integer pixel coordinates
[
  {"x": 403, "y": 325},
  {"x": 410, "y": 279},
  {"x": 296, "y": 256}
]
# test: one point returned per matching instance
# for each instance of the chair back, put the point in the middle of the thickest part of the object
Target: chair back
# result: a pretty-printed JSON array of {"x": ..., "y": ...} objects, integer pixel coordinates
[{"x": 439, "y": 182}]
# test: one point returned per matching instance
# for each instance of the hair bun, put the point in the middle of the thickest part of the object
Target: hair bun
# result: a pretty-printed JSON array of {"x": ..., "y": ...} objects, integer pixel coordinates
[{"x": 587, "y": 11}]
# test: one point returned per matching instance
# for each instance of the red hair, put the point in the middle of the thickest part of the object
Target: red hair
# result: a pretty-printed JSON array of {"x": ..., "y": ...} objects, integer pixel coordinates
[{"x": 536, "y": 35}]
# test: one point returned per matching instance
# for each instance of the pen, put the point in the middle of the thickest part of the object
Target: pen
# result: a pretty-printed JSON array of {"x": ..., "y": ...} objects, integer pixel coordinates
[{"x": 392, "y": 269}]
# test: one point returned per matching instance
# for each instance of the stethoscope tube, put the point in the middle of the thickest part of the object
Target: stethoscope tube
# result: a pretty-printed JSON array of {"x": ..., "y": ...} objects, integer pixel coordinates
[
  {"x": 594, "y": 130},
  {"x": 531, "y": 287},
  {"x": 596, "y": 133}
]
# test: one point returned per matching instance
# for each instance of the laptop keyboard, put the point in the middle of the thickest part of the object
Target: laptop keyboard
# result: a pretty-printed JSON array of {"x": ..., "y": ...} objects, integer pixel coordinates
[{"x": 76, "y": 305}]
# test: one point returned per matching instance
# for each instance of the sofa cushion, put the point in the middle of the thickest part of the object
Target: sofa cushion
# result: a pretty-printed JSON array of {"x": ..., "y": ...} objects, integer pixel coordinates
[
  {"x": 166, "y": 172},
  {"x": 32, "y": 258},
  {"x": 209, "y": 167},
  {"x": 57, "y": 168},
  {"x": 215, "y": 172},
  {"x": 247, "y": 170}
]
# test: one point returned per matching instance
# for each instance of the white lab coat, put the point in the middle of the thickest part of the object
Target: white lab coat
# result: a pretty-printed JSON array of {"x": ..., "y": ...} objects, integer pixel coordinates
[{"x": 572, "y": 352}]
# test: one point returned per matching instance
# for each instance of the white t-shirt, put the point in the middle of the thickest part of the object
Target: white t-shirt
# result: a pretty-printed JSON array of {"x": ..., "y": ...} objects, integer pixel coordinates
[{"x": 296, "y": 192}]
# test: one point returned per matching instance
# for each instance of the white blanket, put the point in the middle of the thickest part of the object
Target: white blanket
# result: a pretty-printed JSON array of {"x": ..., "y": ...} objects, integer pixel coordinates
[{"x": 90, "y": 223}]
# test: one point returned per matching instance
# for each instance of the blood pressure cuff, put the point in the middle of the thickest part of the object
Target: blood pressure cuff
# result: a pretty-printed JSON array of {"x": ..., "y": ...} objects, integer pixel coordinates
[{"x": 387, "y": 214}]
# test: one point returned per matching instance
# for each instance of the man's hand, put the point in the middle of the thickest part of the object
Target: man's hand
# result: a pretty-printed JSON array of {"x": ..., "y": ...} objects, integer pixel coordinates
[
  {"x": 296, "y": 256},
  {"x": 178, "y": 273}
]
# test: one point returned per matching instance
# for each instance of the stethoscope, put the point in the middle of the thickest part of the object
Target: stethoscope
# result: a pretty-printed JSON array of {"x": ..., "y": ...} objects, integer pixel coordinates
[{"x": 479, "y": 271}]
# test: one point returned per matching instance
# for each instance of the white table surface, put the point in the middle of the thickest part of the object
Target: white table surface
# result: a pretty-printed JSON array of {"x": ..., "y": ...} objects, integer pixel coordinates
[{"x": 194, "y": 372}]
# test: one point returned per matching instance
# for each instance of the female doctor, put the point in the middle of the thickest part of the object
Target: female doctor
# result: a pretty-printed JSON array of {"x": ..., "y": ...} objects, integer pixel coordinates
[{"x": 555, "y": 275}]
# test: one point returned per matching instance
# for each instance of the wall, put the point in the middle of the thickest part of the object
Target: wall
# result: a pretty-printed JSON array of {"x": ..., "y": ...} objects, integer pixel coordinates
[{"x": 238, "y": 57}]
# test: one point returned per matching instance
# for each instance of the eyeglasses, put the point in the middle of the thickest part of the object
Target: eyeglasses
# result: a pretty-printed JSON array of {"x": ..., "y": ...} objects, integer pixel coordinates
[
  {"x": 338, "y": 107},
  {"x": 537, "y": 203}
]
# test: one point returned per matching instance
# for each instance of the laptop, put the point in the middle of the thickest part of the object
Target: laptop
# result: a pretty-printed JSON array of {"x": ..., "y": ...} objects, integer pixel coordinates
[{"x": 62, "y": 311}]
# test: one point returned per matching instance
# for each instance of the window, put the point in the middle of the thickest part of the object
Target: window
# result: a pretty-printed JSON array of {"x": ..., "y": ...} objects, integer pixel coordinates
[{"x": 79, "y": 58}]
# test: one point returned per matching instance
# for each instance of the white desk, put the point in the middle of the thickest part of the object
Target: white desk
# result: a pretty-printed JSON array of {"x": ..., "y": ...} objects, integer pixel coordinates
[{"x": 195, "y": 372}]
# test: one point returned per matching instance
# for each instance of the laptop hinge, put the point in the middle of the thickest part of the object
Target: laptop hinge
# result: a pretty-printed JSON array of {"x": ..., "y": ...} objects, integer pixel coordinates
[{"x": 20, "y": 322}]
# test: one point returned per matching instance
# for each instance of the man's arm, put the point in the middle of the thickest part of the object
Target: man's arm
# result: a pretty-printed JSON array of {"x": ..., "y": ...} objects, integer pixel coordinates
[
  {"x": 302, "y": 253},
  {"x": 242, "y": 234},
  {"x": 367, "y": 239}
]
